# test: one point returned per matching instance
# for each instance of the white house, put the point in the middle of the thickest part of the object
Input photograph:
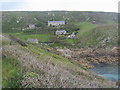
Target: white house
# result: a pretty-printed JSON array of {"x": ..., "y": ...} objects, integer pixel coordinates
[
  {"x": 71, "y": 36},
  {"x": 33, "y": 40},
  {"x": 31, "y": 26},
  {"x": 60, "y": 32},
  {"x": 55, "y": 23}
]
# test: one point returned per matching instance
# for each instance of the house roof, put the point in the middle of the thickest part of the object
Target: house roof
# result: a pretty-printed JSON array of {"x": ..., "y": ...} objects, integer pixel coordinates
[
  {"x": 61, "y": 31},
  {"x": 56, "y": 21},
  {"x": 32, "y": 40},
  {"x": 31, "y": 24}
]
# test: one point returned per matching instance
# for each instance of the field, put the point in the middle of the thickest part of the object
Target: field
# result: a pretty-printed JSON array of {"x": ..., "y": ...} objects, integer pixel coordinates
[{"x": 40, "y": 37}]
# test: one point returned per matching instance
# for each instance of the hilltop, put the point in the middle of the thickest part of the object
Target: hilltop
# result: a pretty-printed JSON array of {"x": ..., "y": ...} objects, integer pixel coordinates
[{"x": 15, "y": 21}]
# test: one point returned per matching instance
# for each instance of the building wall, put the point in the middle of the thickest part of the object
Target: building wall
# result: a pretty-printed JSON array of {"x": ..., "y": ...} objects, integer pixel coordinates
[
  {"x": 33, "y": 40},
  {"x": 56, "y": 23},
  {"x": 60, "y": 32},
  {"x": 32, "y": 26}
]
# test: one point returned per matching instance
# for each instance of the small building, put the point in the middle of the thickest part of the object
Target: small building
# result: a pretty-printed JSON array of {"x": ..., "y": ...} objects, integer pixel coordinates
[
  {"x": 55, "y": 23},
  {"x": 31, "y": 26},
  {"x": 17, "y": 21},
  {"x": 71, "y": 36},
  {"x": 33, "y": 40},
  {"x": 60, "y": 32},
  {"x": 23, "y": 29}
]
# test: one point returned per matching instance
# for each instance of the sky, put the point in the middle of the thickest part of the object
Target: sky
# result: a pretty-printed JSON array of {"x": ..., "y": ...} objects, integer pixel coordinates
[{"x": 69, "y": 5}]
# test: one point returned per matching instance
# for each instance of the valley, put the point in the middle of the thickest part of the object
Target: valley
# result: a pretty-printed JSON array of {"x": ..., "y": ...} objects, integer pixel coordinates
[{"x": 34, "y": 55}]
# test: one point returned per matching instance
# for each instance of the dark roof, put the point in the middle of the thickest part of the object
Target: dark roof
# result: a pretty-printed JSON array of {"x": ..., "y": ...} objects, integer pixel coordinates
[
  {"x": 56, "y": 21},
  {"x": 61, "y": 31},
  {"x": 33, "y": 40}
]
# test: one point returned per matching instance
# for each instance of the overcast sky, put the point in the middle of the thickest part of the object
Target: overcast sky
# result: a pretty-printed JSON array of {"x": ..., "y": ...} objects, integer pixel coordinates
[{"x": 69, "y": 5}]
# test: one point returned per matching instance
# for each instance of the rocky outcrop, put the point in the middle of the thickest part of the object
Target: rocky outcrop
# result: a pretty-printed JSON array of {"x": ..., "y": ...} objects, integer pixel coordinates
[
  {"x": 85, "y": 56},
  {"x": 22, "y": 43}
]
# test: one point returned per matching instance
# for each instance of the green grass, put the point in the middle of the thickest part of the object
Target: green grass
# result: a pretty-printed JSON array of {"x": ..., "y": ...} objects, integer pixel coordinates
[
  {"x": 84, "y": 30},
  {"x": 55, "y": 45},
  {"x": 70, "y": 41},
  {"x": 30, "y": 74},
  {"x": 54, "y": 56},
  {"x": 42, "y": 54},
  {"x": 14, "y": 34},
  {"x": 92, "y": 36},
  {"x": 85, "y": 25},
  {"x": 40, "y": 37},
  {"x": 84, "y": 35},
  {"x": 0, "y": 73},
  {"x": 10, "y": 73}
]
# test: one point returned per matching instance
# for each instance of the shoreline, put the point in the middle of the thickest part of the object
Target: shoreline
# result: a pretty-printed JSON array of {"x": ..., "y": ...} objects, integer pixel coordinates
[
  {"x": 108, "y": 71},
  {"x": 89, "y": 56}
]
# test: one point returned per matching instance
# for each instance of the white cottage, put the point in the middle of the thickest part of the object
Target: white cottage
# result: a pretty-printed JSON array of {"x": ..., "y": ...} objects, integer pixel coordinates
[
  {"x": 31, "y": 26},
  {"x": 71, "y": 36},
  {"x": 33, "y": 40},
  {"x": 60, "y": 32},
  {"x": 55, "y": 23}
]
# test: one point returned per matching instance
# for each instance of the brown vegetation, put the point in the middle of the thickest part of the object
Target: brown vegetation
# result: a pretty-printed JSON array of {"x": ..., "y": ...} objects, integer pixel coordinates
[{"x": 85, "y": 56}]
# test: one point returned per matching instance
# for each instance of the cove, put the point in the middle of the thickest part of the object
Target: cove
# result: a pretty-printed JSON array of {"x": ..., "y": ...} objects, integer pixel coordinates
[{"x": 107, "y": 71}]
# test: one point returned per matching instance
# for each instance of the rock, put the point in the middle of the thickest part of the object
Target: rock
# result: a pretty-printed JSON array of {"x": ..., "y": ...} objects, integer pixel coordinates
[
  {"x": 115, "y": 48},
  {"x": 118, "y": 83},
  {"x": 22, "y": 43},
  {"x": 67, "y": 56}
]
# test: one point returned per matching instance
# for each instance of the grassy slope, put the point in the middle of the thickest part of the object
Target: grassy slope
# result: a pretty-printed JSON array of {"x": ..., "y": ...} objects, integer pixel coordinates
[
  {"x": 82, "y": 19},
  {"x": 40, "y": 68},
  {"x": 88, "y": 35},
  {"x": 85, "y": 25},
  {"x": 92, "y": 35},
  {"x": 0, "y": 73},
  {"x": 9, "y": 19},
  {"x": 40, "y": 37},
  {"x": 0, "y": 64},
  {"x": 10, "y": 72},
  {"x": 85, "y": 31},
  {"x": 70, "y": 41}
]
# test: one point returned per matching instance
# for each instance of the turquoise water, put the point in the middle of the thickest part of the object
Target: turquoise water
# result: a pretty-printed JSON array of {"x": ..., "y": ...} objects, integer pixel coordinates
[
  {"x": 112, "y": 77},
  {"x": 106, "y": 71}
]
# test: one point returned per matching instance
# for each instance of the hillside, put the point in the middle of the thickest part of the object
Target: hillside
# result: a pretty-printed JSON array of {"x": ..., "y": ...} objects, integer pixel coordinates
[
  {"x": 102, "y": 36},
  {"x": 34, "y": 66},
  {"x": 57, "y": 61},
  {"x": 16, "y": 21},
  {"x": 93, "y": 29}
]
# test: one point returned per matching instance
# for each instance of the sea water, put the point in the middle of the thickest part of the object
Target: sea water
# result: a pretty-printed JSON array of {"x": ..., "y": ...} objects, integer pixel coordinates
[{"x": 107, "y": 71}]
